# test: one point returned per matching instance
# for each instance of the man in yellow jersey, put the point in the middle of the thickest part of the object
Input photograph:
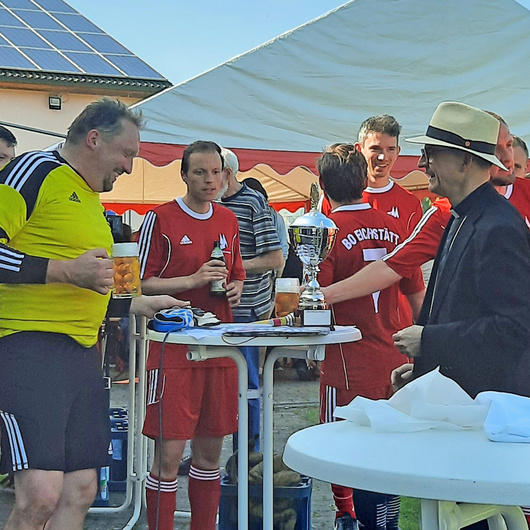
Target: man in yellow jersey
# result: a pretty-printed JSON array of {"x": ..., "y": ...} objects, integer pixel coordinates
[{"x": 55, "y": 276}]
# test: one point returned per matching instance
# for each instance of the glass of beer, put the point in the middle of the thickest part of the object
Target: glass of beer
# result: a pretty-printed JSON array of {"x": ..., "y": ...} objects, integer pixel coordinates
[
  {"x": 287, "y": 296},
  {"x": 127, "y": 282}
]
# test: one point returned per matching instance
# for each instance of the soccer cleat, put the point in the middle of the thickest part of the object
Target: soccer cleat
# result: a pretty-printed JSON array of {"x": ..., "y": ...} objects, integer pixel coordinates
[
  {"x": 171, "y": 320},
  {"x": 346, "y": 522}
]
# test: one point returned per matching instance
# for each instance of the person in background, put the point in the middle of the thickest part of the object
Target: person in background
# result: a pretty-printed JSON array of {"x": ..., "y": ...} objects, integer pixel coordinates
[
  {"x": 520, "y": 157},
  {"x": 55, "y": 282},
  {"x": 359, "y": 368},
  {"x": 261, "y": 252},
  {"x": 277, "y": 219},
  {"x": 188, "y": 400},
  {"x": 8, "y": 142}
]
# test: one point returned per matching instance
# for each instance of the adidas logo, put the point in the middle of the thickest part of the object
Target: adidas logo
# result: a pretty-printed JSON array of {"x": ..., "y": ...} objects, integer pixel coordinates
[
  {"x": 186, "y": 241},
  {"x": 394, "y": 212},
  {"x": 74, "y": 197}
]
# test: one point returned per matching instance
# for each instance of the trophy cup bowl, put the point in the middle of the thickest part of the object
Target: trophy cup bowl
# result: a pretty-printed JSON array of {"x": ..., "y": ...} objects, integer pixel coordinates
[{"x": 312, "y": 236}]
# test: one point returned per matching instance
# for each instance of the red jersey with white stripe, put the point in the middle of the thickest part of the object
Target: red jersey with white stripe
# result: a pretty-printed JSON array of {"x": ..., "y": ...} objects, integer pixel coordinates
[
  {"x": 518, "y": 194},
  {"x": 175, "y": 241},
  {"x": 397, "y": 202},
  {"x": 422, "y": 244},
  {"x": 365, "y": 235}
]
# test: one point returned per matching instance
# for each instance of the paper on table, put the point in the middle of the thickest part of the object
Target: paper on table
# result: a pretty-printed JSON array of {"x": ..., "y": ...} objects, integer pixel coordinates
[
  {"x": 431, "y": 401},
  {"x": 508, "y": 417}
]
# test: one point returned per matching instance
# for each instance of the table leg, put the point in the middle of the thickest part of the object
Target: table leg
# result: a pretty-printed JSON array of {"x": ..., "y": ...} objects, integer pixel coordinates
[
  {"x": 199, "y": 353},
  {"x": 315, "y": 353}
]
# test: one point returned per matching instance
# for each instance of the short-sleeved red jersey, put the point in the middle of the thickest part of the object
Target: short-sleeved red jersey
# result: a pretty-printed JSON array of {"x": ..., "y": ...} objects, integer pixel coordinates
[
  {"x": 422, "y": 244},
  {"x": 365, "y": 235},
  {"x": 518, "y": 194},
  {"x": 175, "y": 241},
  {"x": 397, "y": 202}
]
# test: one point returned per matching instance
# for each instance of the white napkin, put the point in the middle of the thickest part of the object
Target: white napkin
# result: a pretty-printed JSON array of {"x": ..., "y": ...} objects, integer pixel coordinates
[
  {"x": 431, "y": 401},
  {"x": 508, "y": 418}
]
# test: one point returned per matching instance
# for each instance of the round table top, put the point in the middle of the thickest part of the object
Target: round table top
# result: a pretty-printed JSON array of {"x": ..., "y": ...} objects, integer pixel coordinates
[
  {"x": 459, "y": 465},
  {"x": 340, "y": 334}
]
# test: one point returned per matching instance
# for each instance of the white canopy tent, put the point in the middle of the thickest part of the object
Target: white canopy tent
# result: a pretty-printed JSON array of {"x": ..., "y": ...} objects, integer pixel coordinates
[{"x": 281, "y": 103}]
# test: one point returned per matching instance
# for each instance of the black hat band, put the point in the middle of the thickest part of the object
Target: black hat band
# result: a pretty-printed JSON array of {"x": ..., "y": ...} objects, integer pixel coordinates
[{"x": 445, "y": 136}]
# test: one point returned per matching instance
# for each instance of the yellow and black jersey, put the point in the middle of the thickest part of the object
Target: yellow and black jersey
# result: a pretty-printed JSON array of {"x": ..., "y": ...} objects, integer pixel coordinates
[{"x": 47, "y": 211}]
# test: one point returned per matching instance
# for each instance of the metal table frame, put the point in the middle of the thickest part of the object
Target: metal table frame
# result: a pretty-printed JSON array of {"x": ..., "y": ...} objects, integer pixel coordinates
[{"x": 301, "y": 347}]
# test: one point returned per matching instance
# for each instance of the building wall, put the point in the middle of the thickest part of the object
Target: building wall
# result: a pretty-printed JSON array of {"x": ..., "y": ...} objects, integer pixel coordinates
[{"x": 30, "y": 108}]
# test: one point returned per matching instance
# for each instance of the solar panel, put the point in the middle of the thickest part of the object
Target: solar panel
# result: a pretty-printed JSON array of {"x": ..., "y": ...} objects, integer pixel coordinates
[
  {"x": 23, "y": 37},
  {"x": 77, "y": 22},
  {"x": 51, "y": 35},
  {"x": 104, "y": 43},
  {"x": 133, "y": 66},
  {"x": 7, "y": 19},
  {"x": 65, "y": 41},
  {"x": 37, "y": 19},
  {"x": 21, "y": 4},
  {"x": 11, "y": 58},
  {"x": 56, "y": 6},
  {"x": 51, "y": 60},
  {"x": 90, "y": 62}
]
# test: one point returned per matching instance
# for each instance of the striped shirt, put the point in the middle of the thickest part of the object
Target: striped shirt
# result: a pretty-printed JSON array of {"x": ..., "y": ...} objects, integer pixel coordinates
[{"x": 257, "y": 236}]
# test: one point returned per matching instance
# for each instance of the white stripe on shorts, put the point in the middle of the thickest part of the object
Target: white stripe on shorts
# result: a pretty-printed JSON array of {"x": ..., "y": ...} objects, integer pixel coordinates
[{"x": 19, "y": 459}]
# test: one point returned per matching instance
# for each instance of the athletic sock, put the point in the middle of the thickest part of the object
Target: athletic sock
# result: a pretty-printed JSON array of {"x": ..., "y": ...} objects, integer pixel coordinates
[
  {"x": 343, "y": 498},
  {"x": 168, "y": 502},
  {"x": 204, "y": 491}
]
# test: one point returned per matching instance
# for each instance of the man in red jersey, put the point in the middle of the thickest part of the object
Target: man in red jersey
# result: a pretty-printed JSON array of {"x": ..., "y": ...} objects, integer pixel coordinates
[
  {"x": 379, "y": 144},
  {"x": 196, "y": 401},
  {"x": 361, "y": 368}
]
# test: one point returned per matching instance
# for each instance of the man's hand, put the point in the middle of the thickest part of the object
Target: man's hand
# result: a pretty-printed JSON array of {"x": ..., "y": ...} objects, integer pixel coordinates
[
  {"x": 211, "y": 270},
  {"x": 92, "y": 270},
  {"x": 233, "y": 292},
  {"x": 149, "y": 305},
  {"x": 401, "y": 376},
  {"x": 408, "y": 340}
]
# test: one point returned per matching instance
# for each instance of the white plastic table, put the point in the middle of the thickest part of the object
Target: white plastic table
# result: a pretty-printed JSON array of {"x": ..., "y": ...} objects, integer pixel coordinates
[
  {"x": 439, "y": 467},
  {"x": 304, "y": 347}
]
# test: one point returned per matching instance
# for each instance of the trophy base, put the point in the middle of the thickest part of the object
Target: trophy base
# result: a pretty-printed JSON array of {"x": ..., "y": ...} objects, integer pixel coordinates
[{"x": 315, "y": 317}]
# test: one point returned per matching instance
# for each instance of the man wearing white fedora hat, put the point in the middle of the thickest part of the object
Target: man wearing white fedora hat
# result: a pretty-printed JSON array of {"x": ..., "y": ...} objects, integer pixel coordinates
[{"x": 474, "y": 320}]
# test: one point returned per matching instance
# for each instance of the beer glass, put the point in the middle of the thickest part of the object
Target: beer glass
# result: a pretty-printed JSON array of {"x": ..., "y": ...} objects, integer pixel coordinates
[
  {"x": 287, "y": 296},
  {"x": 127, "y": 282}
]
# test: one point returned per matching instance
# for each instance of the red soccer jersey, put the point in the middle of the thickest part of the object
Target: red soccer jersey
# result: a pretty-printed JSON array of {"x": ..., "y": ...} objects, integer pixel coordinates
[
  {"x": 365, "y": 235},
  {"x": 518, "y": 194},
  {"x": 176, "y": 241},
  {"x": 422, "y": 244},
  {"x": 397, "y": 202}
]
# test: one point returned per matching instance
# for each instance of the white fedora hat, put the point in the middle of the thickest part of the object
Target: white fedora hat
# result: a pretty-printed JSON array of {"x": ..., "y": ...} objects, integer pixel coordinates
[{"x": 463, "y": 127}]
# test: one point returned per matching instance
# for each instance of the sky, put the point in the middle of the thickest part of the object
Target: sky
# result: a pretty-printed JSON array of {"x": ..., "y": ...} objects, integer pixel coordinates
[{"x": 183, "y": 38}]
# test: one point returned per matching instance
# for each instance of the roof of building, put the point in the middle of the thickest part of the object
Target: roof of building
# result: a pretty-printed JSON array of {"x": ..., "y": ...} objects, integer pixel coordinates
[{"x": 45, "y": 41}]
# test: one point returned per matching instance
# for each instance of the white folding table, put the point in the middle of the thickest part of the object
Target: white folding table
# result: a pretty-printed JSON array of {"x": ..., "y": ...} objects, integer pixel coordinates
[
  {"x": 216, "y": 345},
  {"x": 461, "y": 476}
]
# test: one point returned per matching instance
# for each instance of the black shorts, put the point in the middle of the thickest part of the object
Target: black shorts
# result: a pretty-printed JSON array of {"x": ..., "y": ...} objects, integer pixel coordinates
[{"x": 53, "y": 404}]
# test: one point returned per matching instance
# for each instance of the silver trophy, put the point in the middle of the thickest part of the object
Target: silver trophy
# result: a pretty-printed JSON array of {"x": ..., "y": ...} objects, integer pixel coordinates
[{"x": 312, "y": 236}]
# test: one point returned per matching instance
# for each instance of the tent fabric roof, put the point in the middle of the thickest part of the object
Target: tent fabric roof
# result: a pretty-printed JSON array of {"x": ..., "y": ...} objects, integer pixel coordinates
[{"x": 315, "y": 85}]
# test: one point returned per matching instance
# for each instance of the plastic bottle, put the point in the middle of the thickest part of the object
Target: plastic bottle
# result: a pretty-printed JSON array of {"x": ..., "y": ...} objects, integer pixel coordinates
[{"x": 216, "y": 286}]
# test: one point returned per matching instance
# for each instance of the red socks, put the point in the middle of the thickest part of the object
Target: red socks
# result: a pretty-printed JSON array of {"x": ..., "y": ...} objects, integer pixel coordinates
[
  {"x": 204, "y": 491},
  {"x": 167, "y": 505},
  {"x": 343, "y": 498}
]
